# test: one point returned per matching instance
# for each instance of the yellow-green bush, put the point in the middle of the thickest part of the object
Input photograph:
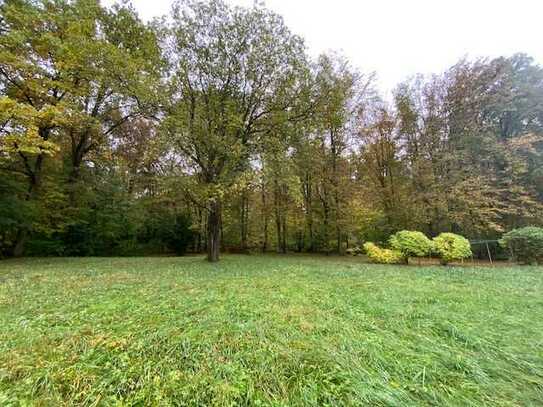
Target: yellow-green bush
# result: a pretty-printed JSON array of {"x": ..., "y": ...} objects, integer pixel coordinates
[
  {"x": 451, "y": 247},
  {"x": 384, "y": 256},
  {"x": 411, "y": 243}
]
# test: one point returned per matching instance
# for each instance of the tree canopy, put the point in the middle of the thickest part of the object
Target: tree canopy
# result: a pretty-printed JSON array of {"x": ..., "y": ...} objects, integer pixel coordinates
[{"x": 213, "y": 129}]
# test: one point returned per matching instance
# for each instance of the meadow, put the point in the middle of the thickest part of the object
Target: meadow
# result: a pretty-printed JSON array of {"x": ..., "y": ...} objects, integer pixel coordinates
[{"x": 268, "y": 330}]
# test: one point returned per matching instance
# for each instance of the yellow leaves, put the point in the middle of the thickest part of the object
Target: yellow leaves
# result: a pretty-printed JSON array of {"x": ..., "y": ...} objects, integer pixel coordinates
[
  {"x": 50, "y": 116},
  {"x": 21, "y": 123},
  {"x": 29, "y": 143},
  {"x": 10, "y": 109},
  {"x": 244, "y": 181},
  {"x": 383, "y": 256},
  {"x": 525, "y": 141}
]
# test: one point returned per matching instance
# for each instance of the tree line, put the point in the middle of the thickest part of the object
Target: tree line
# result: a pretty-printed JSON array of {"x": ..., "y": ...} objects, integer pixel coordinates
[{"x": 212, "y": 129}]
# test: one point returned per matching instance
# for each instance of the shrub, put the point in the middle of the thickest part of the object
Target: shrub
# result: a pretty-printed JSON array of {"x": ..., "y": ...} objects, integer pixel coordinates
[
  {"x": 451, "y": 247},
  {"x": 526, "y": 244},
  {"x": 384, "y": 256},
  {"x": 411, "y": 244}
]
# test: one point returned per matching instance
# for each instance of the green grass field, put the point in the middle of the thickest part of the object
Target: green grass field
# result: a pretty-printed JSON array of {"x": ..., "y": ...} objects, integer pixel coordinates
[{"x": 268, "y": 330}]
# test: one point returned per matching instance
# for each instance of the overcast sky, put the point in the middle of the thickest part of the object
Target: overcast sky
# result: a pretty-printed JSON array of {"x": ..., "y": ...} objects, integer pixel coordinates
[{"x": 398, "y": 38}]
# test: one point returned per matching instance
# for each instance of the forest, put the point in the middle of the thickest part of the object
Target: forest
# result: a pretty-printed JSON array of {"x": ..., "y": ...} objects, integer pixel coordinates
[{"x": 213, "y": 129}]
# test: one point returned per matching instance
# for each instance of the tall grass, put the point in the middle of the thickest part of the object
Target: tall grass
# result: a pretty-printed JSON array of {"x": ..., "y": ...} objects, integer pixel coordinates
[{"x": 268, "y": 330}]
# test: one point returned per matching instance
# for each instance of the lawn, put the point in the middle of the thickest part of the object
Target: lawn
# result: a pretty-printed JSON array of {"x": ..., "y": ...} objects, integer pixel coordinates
[{"x": 268, "y": 330}]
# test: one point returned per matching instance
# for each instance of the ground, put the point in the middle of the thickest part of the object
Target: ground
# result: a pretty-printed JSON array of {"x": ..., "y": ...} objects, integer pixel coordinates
[{"x": 268, "y": 330}]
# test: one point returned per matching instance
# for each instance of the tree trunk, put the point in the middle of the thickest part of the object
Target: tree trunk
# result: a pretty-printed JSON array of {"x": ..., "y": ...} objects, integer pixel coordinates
[
  {"x": 34, "y": 181},
  {"x": 278, "y": 225},
  {"x": 284, "y": 231},
  {"x": 265, "y": 220},
  {"x": 326, "y": 217},
  {"x": 338, "y": 239},
  {"x": 198, "y": 236},
  {"x": 300, "y": 241},
  {"x": 214, "y": 231},
  {"x": 80, "y": 147},
  {"x": 334, "y": 144},
  {"x": 311, "y": 236},
  {"x": 244, "y": 220},
  {"x": 280, "y": 217},
  {"x": 22, "y": 236},
  {"x": 307, "y": 193}
]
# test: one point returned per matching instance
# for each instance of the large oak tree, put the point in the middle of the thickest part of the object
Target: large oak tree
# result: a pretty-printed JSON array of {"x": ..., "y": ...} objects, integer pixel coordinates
[{"x": 231, "y": 70}]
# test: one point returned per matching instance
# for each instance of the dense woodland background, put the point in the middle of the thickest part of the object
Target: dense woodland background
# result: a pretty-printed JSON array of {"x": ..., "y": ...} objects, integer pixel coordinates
[{"x": 212, "y": 129}]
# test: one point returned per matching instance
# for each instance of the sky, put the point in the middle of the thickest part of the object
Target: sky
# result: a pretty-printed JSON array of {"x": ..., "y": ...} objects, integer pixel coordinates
[{"x": 399, "y": 38}]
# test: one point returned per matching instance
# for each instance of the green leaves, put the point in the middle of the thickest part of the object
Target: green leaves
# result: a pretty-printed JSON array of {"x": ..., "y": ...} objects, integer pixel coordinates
[
  {"x": 232, "y": 70},
  {"x": 451, "y": 247},
  {"x": 411, "y": 243},
  {"x": 202, "y": 106},
  {"x": 71, "y": 74},
  {"x": 525, "y": 244}
]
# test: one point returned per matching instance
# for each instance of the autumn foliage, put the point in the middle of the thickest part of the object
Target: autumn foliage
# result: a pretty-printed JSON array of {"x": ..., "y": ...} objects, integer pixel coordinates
[{"x": 218, "y": 114}]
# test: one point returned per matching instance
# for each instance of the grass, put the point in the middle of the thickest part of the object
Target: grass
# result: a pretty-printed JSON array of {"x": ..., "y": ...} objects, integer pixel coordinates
[{"x": 268, "y": 330}]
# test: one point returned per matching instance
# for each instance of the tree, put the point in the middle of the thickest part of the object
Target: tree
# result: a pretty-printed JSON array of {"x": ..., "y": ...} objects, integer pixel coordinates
[
  {"x": 337, "y": 85},
  {"x": 380, "y": 167},
  {"x": 231, "y": 69},
  {"x": 114, "y": 133},
  {"x": 70, "y": 73}
]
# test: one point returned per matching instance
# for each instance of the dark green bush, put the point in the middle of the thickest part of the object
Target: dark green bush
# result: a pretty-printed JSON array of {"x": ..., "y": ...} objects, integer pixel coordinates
[
  {"x": 166, "y": 230},
  {"x": 179, "y": 235},
  {"x": 525, "y": 244},
  {"x": 15, "y": 213}
]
